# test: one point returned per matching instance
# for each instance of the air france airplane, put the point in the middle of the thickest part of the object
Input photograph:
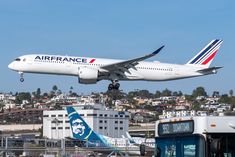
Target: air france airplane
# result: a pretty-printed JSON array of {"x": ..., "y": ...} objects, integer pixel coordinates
[
  {"x": 81, "y": 131},
  {"x": 92, "y": 70}
]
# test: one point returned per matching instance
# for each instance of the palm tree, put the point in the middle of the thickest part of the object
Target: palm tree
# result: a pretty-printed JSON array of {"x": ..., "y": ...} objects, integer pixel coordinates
[{"x": 230, "y": 92}]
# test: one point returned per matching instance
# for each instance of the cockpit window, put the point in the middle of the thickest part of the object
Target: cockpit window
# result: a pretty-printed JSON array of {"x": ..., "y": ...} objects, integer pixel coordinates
[{"x": 17, "y": 59}]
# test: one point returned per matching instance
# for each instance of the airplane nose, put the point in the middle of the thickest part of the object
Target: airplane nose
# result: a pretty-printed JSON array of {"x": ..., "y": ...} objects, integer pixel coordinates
[{"x": 10, "y": 66}]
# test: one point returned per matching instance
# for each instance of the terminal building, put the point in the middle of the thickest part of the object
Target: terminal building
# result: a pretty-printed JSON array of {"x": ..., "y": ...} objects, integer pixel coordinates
[{"x": 103, "y": 121}]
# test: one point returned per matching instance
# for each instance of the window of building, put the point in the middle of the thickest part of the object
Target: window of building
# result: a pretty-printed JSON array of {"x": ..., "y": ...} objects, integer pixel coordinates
[
  {"x": 67, "y": 128},
  {"x": 53, "y": 115},
  {"x": 105, "y": 128},
  {"x": 116, "y": 122},
  {"x": 60, "y": 115},
  {"x": 45, "y": 115},
  {"x": 100, "y": 121},
  {"x": 100, "y": 127},
  {"x": 101, "y": 115},
  {"x": 105, "y": 121},
  {"x": 116, "y": 128},
  {"x": 67, "y": 121},
  {"x": 53, "y": 128},
  {"x": 121, "y": 122},
  {"x": 106, "y": 115},
  {"x": 60, "y": 127},
  {"x": 121, "y": 128},
  {"x": 91, "y": 115},
  {"x": 116, "y": 115}
]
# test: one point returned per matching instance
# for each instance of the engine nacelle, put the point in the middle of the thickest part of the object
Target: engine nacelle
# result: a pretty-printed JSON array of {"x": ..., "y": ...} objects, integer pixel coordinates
[{"x": 88, "y": 75}]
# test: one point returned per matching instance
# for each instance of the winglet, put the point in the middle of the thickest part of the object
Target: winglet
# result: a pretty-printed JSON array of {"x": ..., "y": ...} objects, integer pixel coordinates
[
  {"x": 158, "y": 50},
  {"x": 130, "y": 63}
]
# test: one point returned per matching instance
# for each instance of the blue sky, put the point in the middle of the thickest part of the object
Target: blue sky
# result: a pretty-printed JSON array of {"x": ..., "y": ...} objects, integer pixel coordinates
[{"x": 116, "y": 29}]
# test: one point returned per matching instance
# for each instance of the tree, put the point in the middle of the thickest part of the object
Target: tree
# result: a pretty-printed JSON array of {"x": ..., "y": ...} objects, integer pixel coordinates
[
  {"x": 215, "y": 94},
  {"x": 230, "y": 92},
  {"x": 196, "y": 105},
  {"x": 224, "y": 99},
  {"x": 115, "y": 94},
  {"x": 59, "y": 92},
  {"x": 175, "y": 93},
  {"x": 54, "y": 88},
  {"x": 38, "y": 93},
  {"x": 189, "y": 98},
  {"x": 145, "y": 94},
  {"x": 199, "y": 91},
  {"x": 74, "y": 94},
  {"x": 23, "y": 96},
  {"x": 166, "y": 92},
  {"x": 71, "y": 90},
  {"x": 45, "y": 95},
  {"x": 158, "y": 94}
]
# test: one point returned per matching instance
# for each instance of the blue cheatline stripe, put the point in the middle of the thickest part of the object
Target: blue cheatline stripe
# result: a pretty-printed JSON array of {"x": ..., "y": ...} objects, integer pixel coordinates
[
  {"x": 209, "y": 51},
  {"x": 201, "y": 54}
]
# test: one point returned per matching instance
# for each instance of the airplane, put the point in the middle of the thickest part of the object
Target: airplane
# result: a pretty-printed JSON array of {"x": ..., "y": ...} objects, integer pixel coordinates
[
  {"x": 92, "y": 70},
  {"x": 82, "y": 132}
]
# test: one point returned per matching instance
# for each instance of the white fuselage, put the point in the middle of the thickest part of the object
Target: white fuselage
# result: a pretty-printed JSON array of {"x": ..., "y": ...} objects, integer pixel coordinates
[{"x": 69, "y": 65}]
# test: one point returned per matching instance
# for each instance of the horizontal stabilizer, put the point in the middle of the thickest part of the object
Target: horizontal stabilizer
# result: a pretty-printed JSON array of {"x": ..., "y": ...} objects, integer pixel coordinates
[{"x": 211, "y": 70}]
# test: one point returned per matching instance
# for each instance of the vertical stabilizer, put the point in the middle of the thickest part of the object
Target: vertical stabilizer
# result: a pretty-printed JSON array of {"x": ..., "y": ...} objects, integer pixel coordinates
[
  {"x": 81, "y": 129},
  {"x": 207, "y": 54}
]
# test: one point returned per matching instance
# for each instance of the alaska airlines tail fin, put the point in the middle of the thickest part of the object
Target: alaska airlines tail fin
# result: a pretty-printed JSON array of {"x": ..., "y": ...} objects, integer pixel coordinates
[
  {"x": 81, "y": 129},
  {"x": 207, "y": 54},
  {"x": 130, "y": 138}
]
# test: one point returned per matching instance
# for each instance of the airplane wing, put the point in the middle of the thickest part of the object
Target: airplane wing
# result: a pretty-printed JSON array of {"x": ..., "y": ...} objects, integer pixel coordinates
[{"x": 125, "y": 65}]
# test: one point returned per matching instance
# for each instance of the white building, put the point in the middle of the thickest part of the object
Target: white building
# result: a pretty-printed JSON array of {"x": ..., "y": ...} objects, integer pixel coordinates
[
  {"x": 2, "y": 96},
  {"x": 106, "y": 122},
  {"x": 177, "y": 113}
]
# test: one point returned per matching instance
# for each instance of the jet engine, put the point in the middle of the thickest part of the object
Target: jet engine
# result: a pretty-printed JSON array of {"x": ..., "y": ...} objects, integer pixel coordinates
[{"x": 88, "y": 75}]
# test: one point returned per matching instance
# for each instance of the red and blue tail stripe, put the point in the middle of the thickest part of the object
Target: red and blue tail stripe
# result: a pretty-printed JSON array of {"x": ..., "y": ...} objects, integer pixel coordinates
[{"x": 207, "y": 54}]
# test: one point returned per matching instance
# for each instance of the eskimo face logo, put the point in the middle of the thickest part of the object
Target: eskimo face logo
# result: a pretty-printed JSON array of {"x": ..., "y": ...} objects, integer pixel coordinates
[{"x": 78, "y": 127}]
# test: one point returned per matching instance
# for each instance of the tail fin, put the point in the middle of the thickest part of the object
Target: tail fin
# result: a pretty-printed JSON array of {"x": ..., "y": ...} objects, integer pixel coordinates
[
  {"x": 130, "y": 138},
  {"x": 80, "y": 128},
  {"x": 207, "y": 54}
]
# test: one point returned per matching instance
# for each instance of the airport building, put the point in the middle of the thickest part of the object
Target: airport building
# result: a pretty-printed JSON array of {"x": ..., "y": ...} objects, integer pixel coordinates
[{"x": 103, "y": 121}]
